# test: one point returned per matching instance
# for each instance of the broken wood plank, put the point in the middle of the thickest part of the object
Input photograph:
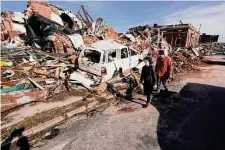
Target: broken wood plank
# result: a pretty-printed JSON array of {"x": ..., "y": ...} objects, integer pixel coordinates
[
  {"x": 136, "y": 79},
  {"x": 47, "y": 55},
  {"x": 36, "y": 84}
]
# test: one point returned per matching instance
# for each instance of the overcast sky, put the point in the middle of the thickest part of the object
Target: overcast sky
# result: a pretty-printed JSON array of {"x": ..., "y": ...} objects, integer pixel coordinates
[{"x": 123, "y": 15}]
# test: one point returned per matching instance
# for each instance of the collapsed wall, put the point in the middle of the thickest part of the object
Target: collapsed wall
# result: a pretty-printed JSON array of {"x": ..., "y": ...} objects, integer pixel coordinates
[
  {"x": 52, "y": 29},
  {"x": 51, "y": 12},
  {"x": 12, "y": 25}
]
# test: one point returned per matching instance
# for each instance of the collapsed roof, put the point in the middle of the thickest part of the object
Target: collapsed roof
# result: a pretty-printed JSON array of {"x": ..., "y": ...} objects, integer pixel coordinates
[{"x": 67, "y": 19}]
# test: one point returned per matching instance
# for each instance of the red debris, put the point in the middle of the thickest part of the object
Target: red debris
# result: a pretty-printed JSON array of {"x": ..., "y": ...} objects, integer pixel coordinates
[
  {"x": 14, "y": 99},
  {"x": 110, "y": 33},
  {"x": 63, "y": 44},
  {"x": 7, "y": 30},
  {"x": 89, "y": 39},
  {"x": 41, "y": 8}
]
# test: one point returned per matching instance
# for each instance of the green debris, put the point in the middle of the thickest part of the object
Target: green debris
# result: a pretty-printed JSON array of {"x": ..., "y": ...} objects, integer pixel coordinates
[{"x": 23, "y": 86}]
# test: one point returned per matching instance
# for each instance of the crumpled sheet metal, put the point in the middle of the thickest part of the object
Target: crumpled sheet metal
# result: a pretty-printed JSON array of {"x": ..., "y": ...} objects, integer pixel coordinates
[
  {"x": 15, "y": 99},
  {"x": 75, "y": 76}
]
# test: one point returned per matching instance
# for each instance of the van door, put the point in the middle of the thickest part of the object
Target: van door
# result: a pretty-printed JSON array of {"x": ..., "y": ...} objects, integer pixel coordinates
[
  {"x": 110, "y": 64},
  {"x": 91, "y": 60},
  {"x": 125, "y": 60},
  {"x": 134, "y": 58}
]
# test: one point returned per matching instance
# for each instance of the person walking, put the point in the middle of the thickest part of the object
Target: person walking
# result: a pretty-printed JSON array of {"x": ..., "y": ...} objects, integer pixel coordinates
[
  {"x": 148, "y": 79},
  {"x": 164, "y": 70}
]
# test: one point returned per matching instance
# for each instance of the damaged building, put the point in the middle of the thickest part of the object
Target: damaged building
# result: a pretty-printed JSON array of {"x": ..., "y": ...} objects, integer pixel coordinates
[
  {"x": 180, "y": 35},
  {"x": 12, "y": 25},
  {"x": 60, "y": 30},
  {"x": 204, "y": 38},
  {"x": 54, "y": 13}
]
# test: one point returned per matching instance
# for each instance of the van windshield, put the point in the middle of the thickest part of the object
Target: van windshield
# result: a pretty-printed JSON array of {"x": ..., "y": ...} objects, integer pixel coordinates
[{"x": 92, "y": 55}]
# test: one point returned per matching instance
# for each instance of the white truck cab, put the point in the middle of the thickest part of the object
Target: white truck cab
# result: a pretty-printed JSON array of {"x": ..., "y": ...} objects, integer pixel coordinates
[{"x": 106, "y": 57}]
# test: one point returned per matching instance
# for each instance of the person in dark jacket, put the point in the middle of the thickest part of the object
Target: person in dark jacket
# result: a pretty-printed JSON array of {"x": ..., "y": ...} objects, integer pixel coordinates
[{"x": 148, "y": 79}]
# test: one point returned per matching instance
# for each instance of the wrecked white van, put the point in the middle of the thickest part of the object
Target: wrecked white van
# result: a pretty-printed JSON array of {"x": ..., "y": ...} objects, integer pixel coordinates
[{"x": 105, "y": 58}]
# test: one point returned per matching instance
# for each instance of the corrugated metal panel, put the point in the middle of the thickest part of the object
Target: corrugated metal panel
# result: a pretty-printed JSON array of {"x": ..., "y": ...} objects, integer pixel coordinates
[{"x": 15, "y": 99}]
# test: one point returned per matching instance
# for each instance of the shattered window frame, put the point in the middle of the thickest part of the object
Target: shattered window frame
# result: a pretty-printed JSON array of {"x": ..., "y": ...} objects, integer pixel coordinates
[
  {"x": 93, "y": 51},
  {"x": 134, "y": 52},
  {"x": 121, "y": 52},
  {"x": 108, "y": 55}
]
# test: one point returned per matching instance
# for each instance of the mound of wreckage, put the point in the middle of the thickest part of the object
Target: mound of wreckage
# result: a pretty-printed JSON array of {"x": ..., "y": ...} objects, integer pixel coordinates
[
  {"x": 212, "y": 48},
  {"x": 46, "y": 50}
]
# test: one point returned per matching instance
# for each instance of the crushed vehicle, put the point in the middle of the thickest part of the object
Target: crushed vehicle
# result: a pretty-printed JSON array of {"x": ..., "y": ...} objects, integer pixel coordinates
[{"x": 108, "y": 57}]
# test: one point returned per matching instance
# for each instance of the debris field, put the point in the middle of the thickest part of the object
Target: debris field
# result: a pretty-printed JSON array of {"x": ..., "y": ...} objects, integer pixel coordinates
[{"x": 48, "y": 53}]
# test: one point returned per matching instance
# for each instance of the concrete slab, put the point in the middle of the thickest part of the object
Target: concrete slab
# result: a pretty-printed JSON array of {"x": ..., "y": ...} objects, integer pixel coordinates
[
  {"x": 29, "y": 110},
  {"x": 41, "y": 127},
  {"x": 76, "y": 111}
]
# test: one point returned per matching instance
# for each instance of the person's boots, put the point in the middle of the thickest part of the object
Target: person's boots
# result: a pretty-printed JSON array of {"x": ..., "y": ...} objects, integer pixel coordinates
[
  {"x": 146, "y": 105},
  {"x": 166, "y": 94},
  {"x": 166, "y": 90},
  {"x": 148, "y": 101},
  {"x": 158, "y": 91},
  {"x": 151, "y": 97}
]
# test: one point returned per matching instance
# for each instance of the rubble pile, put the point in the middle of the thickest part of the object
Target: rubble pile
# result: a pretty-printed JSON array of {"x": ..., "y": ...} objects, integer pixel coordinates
[
  {"x": 138, "y": 38},
  {"x": 41, "y": 19},
  {"x": 89, "y": 39},
  {"x": 47, "y": 52},
  {"x": 144, "y": 38},
  {"x": 31, "y": 74},
  {"x": 184, "y": 60},
  {"x": 107, "y": 33},
  {"x": 40, "y": 49},
  {"x": 212, "y": 48},
  {"x": 12, "y": 25},
  {"x": 42, "y": 8},
  {"x": 110, "y": 33},
  {"x": 34, "y": 75}
]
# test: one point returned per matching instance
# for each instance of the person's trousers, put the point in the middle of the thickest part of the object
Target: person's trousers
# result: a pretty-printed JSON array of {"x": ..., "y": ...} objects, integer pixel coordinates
[
  {"x": 163, "y": 81},
  {"x": 149, "y": 98}
]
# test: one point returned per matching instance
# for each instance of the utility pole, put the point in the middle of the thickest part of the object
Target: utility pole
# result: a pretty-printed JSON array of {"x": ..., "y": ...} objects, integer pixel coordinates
[
  {"x": 199, "y": 28},
  {"x": 199, "y": 39},
  {"x": 158, "y": 39},
  {"x": 171, "y": 43}
]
